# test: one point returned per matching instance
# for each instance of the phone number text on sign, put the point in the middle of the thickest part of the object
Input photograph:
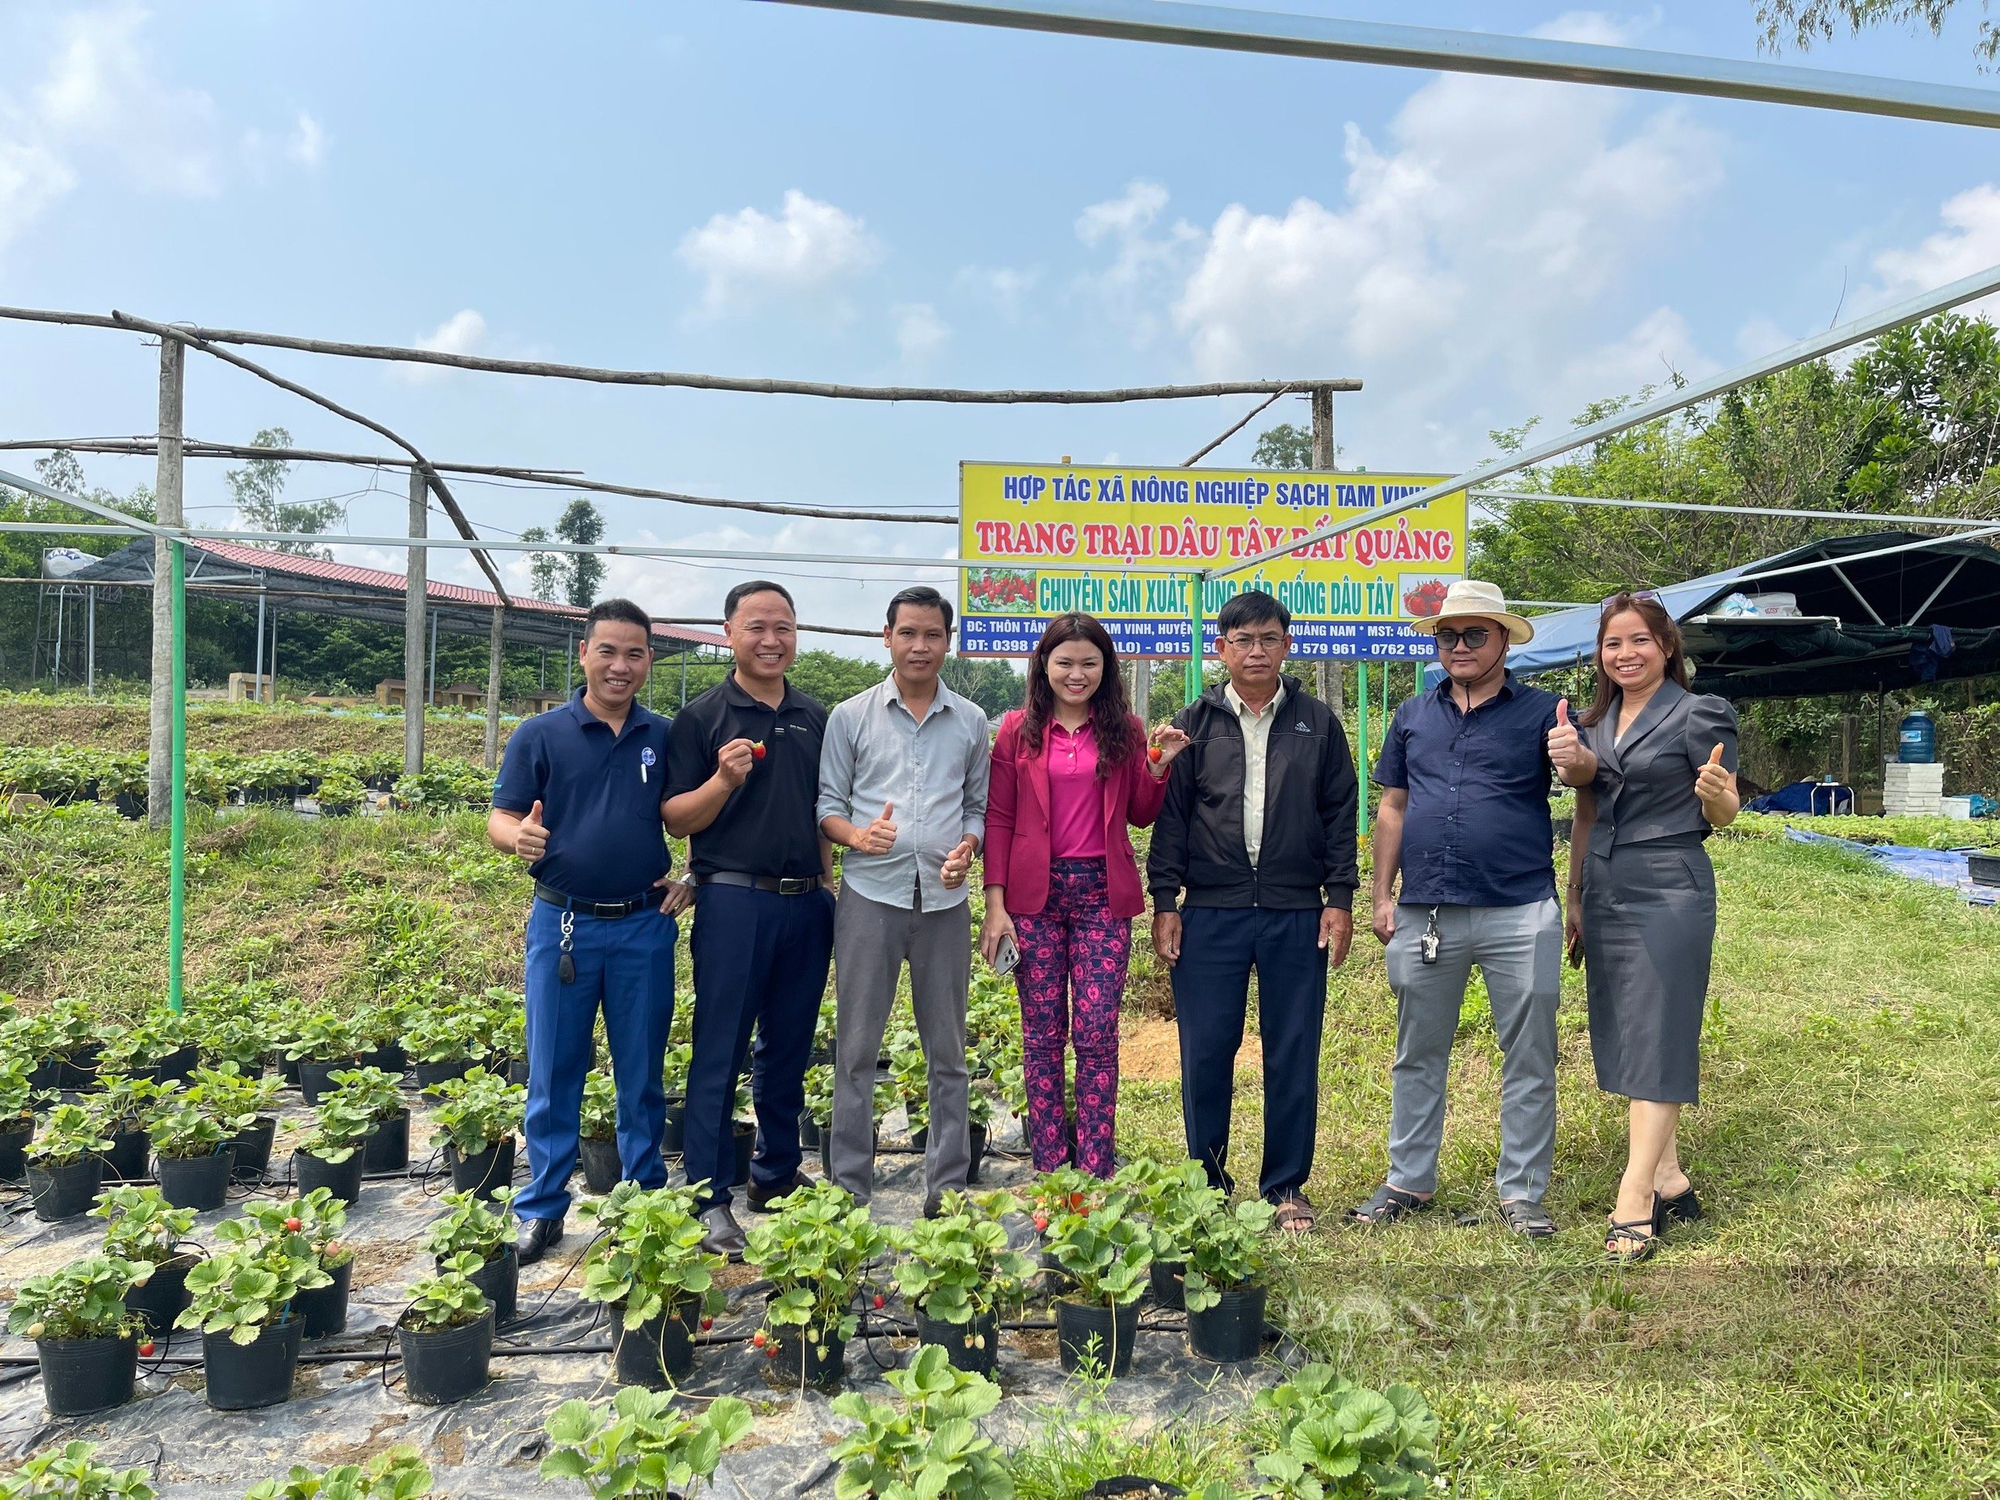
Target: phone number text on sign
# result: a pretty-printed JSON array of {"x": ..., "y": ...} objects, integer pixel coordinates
[{"x": 1050, "y": 539}]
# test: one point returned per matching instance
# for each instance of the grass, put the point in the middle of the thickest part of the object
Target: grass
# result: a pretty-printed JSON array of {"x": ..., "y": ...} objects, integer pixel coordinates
[{"x": 1829, "y": 1332}]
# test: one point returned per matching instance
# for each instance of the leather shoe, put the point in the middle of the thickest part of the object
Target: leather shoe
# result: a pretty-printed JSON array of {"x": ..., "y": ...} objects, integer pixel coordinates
[
  {"x": 762, "y": 1200},
  {"x": 725, "y": 1235},
  {"x": 538, "y": 1237}
]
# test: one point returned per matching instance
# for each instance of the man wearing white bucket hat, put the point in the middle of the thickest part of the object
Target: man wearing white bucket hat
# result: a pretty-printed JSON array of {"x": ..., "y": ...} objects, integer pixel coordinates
[{"x": 1465, "y": 779}]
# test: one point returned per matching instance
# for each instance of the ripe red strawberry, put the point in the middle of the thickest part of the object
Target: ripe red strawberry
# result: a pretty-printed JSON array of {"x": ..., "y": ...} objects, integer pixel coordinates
[
  {"x": 1041, "y": 1222},
  {"x": 292, "y": 1226},
  {"x": 1154, "y": 754},
  {"x": 760, "y": 1338},
  {"x": 706, "y": 1324},
  {"x": 772, "y": 1352},
  {"x": 757, "y": 750},
  {"x": 880, "y": 1301},
  {"x": 146, "y": 1349}
]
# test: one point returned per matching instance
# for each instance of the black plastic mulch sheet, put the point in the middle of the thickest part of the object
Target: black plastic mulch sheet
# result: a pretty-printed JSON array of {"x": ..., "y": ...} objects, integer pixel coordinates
[{"x": 491, "y": 1444}]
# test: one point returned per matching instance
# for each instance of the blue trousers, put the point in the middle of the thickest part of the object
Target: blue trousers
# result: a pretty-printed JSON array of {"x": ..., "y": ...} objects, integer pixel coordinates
[
  {"x": 1219, "y": 946},
  {"x": 760, "y": 962},
  {"x": 626, "y": 968}
]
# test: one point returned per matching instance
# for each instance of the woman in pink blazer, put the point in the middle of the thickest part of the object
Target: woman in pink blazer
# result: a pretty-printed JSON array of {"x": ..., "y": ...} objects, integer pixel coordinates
[{"x": 1070, "y": 770}]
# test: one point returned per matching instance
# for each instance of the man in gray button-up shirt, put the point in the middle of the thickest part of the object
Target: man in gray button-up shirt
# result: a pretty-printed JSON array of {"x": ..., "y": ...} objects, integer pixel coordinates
[{"x": 902, "y": 787}]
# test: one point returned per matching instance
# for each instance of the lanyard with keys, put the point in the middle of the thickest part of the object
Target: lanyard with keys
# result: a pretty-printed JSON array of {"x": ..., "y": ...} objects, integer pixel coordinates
[
  {"x": 566, "y": 964},
  {"x": 1427, "y": 945}
]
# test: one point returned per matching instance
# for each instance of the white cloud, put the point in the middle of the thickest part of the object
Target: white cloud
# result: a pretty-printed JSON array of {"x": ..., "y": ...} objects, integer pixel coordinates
[
  {"x": 1003, "y": 288},
  {"x": 1969, "y": 241},
  {"x": 1471, "y": 253},
  {"x": 920, "y": 332},
  {"x": 464, "y": 332},
  {"x": 748, "y": 256},
  {"x": 101, "y": 107}
]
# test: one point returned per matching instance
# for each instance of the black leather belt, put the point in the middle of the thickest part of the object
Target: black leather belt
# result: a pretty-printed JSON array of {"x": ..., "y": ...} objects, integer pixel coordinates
[
  {"x": 800, "y": 885},
  {"x": 608, "y": 910}
]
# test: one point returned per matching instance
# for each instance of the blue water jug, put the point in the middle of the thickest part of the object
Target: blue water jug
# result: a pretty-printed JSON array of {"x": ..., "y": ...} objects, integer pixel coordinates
[{"x": 1917, "y": 739}]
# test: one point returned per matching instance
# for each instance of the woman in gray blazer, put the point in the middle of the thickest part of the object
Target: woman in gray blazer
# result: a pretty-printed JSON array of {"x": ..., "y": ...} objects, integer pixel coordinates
[{"x": 1654, "y": 766}]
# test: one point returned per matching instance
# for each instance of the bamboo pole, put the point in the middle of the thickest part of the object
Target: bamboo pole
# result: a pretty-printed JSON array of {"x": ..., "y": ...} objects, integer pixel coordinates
[
  {"x": 177, "y": 834},
  {"x": 169, "y": 508}
]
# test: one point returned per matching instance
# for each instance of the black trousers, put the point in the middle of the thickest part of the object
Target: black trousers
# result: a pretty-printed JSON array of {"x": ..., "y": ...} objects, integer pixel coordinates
[{"x": 1219, "y": 947}]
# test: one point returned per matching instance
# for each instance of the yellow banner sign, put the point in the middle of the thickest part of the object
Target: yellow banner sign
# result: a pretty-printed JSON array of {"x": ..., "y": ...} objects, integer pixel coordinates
[{"x": 1055, "y": 538}]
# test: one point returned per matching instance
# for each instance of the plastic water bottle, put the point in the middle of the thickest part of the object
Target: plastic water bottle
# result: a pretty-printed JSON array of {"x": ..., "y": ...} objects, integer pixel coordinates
[{"x": 1916, "y": 739}]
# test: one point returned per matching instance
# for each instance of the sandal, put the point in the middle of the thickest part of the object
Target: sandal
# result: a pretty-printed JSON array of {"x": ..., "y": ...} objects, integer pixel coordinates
[
  {"x": 1388, "y": 1205},
  {"x": 1639, "y": 1232},
  {"x": 1527, "y": 1218},
  {"x": 1682, "y": 1208},
  {"x": 1296, "y": 1214}
]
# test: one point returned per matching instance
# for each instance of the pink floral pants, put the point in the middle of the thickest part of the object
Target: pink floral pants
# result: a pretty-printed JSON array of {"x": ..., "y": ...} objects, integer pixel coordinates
[{"x": 1071, "y": 976}]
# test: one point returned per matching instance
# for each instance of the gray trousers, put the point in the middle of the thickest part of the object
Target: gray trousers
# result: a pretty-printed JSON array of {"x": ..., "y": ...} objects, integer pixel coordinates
[
  {"x": 871, "y": 942},
  {"x": 1519, "y": 950}
]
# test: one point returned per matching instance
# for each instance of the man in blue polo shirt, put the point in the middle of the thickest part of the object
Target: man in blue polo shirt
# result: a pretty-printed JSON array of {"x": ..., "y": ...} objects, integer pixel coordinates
[
  {"x": 1465, "y": 779},
  {"x": 580, "y": 798},
  {"x": 741, "y": 785}
]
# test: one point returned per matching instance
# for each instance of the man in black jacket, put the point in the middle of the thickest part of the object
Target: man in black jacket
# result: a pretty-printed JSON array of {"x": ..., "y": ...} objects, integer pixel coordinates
[{"x": 1259, "y": 831}]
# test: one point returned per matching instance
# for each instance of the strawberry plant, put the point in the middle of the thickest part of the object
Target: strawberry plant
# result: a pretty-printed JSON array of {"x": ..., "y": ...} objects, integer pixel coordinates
[
  {"x": 649, "y": 1260},
  {"x": 340, "y": 1125},
  {"x": 185, "y": 1131},
  {"x": 242, "y": 1290},
  {"x": 66, "y": 1135},
  {"x": 819, "y": 1094},
  {"x": 444, "y": 1036},
  {"x": 599, "y": 1118},
  {"x": 473, "y": 1224},
  {"x": 815, "y": 1249},
  {"x": 17, "y": 1095},
  {"x": 83, "y": 1300},
  {"x": 1328, "y": 1437},
  {"x": 479, "y": 1110},
  {"x": 446, "y": 1300},
  {"x": 369, "y": 1092},
  {"x": 303, "y": 1229},
  {"x": 639, "y": 1443},
  {"x": 932, "y": 1447},
  {"x": 956, "y": 1265},
  {"x": 1107, "y": 1252},
  {"x": 229, "y": 1091},
  {"x": 69, "y": 1473},
  {"x": 140, "y": 1224},
  {"x": 325, "y": 1037},
  {"x": 398, "y": 1474}
]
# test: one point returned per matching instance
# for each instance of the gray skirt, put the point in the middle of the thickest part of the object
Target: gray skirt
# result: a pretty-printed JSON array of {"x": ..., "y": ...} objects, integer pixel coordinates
[{"x": 1648, "y": 935}]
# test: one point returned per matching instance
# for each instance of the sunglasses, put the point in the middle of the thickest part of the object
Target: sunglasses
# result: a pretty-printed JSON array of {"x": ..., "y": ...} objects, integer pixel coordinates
[
  {"x": 1637, "y": 596},
  {"x": 1474, "y": 637}
]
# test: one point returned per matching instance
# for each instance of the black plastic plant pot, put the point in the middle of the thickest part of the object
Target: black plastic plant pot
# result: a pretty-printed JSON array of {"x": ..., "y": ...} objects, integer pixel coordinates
[
  {"x": 973, "y": 1346},
  {"x": 81, "y": 1375},
  {"x": 809, "y": 1131},
  {"x": 1132, "y": 1487},
  {"x": 315, "y": 1075},
  {"x": 484, "y": 1171},
  {"x": 79, "y": 1069},
  {"x": 499, "y": 1281},
  {"x": 601, "y": 1167},
  {"x": 253, "y": 1149},
  {"x": 343, "y": 1178},
  {"x": 178, "y": 1065},
  {"x": 449, "y": 1364},
  {"x": 676, "y": 1124},
  {"x": 242, "y": 1377},
  {"x": 1104, "y": 1334},
  {"x": 14, "y": 1139},
  {"x": 130, "y": 804},
  {"x": 978, "y": 1134},
  {"x": 517, "y": 1071},
  {"x": 65, "y": 1192},
  {"x": 386, "y": 1148},
  {"x": 658, "y": 1353},
  {"x": 129, "y": 1153},
  {"x": 431, "y": 1074},
  {"x": 322, "y": 1310},
  {"x": 1231, "y": 1330},
  {"x": 1170, "y": 1283},
  {"x": 197, "y": 1182},
  {"x": 390, "y": 1057},
  {"x": 825, "y": 1362},
  {"x": 163, "y": 1298},
  {"x": 744, "y": 1135},
  {"x": 288, "y": 1069},
  {"x": 46, "y": 1074},
  {"x": 1055, "y": 1280}
]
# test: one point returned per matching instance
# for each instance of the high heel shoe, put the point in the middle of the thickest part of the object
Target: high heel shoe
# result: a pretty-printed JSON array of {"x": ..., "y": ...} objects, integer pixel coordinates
[{"x": 1682, "y": 1208}]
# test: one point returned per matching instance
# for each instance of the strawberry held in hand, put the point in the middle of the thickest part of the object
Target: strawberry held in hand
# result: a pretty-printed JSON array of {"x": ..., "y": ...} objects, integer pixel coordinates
[
  {"x": 757, "y": 750},
  {"x": 1154, "y": 754}
]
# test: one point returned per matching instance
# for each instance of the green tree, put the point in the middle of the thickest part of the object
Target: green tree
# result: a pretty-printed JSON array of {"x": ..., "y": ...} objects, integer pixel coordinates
[
  {"x": 582, "y": 572},
  {"x": 1804, "y": 23},
  {"x": 545, "y": 569},
  {"x": 995, "y": 686},
  {"x": 259, "y": 488},
  {"x": 1283, "y": 447}
]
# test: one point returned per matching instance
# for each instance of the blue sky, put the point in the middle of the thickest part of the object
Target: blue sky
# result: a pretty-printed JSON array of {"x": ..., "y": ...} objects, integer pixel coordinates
[{"x": 756, "y": 189}]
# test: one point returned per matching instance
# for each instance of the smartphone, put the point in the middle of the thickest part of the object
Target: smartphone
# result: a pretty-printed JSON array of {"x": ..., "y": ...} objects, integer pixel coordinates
[{"x": 1006, "y": 956}]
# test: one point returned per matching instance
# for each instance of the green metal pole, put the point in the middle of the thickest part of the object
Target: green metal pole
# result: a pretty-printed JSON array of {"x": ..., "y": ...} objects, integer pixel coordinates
[
  {"x": 177, "y": 864},
  {"x": 1361, "y": 726},
  {"x": 1193, "y": 688}
]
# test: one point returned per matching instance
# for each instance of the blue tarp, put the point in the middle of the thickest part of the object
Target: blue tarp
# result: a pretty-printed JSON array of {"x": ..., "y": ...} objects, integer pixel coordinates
[{"x": 1945, "y": 867}]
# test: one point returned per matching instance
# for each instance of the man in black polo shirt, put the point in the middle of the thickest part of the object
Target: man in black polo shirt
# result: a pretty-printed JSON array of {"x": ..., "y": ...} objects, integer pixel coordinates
[
  {"x": 742, "y": 780},
  {"x": 579, "y": 799},
  {"x": 1465, "y": 779}
]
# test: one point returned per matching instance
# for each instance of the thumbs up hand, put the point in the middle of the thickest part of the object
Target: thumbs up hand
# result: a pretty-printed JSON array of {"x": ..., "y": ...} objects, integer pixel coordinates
[
  {"x": 1714, "y": 783},
  {"x": 1565, "y": 748},
  {"x": 879, "y": 837},
  {"x": 531, "y": 838}
]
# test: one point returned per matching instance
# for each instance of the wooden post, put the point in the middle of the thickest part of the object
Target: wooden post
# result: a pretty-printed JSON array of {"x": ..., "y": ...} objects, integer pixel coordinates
[
  {"x": 1330, "y": 676},
  {"x": 170, "y": 511},
  {"x": 413, "y": 628},
  {"x": 493, "y": 687}
]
